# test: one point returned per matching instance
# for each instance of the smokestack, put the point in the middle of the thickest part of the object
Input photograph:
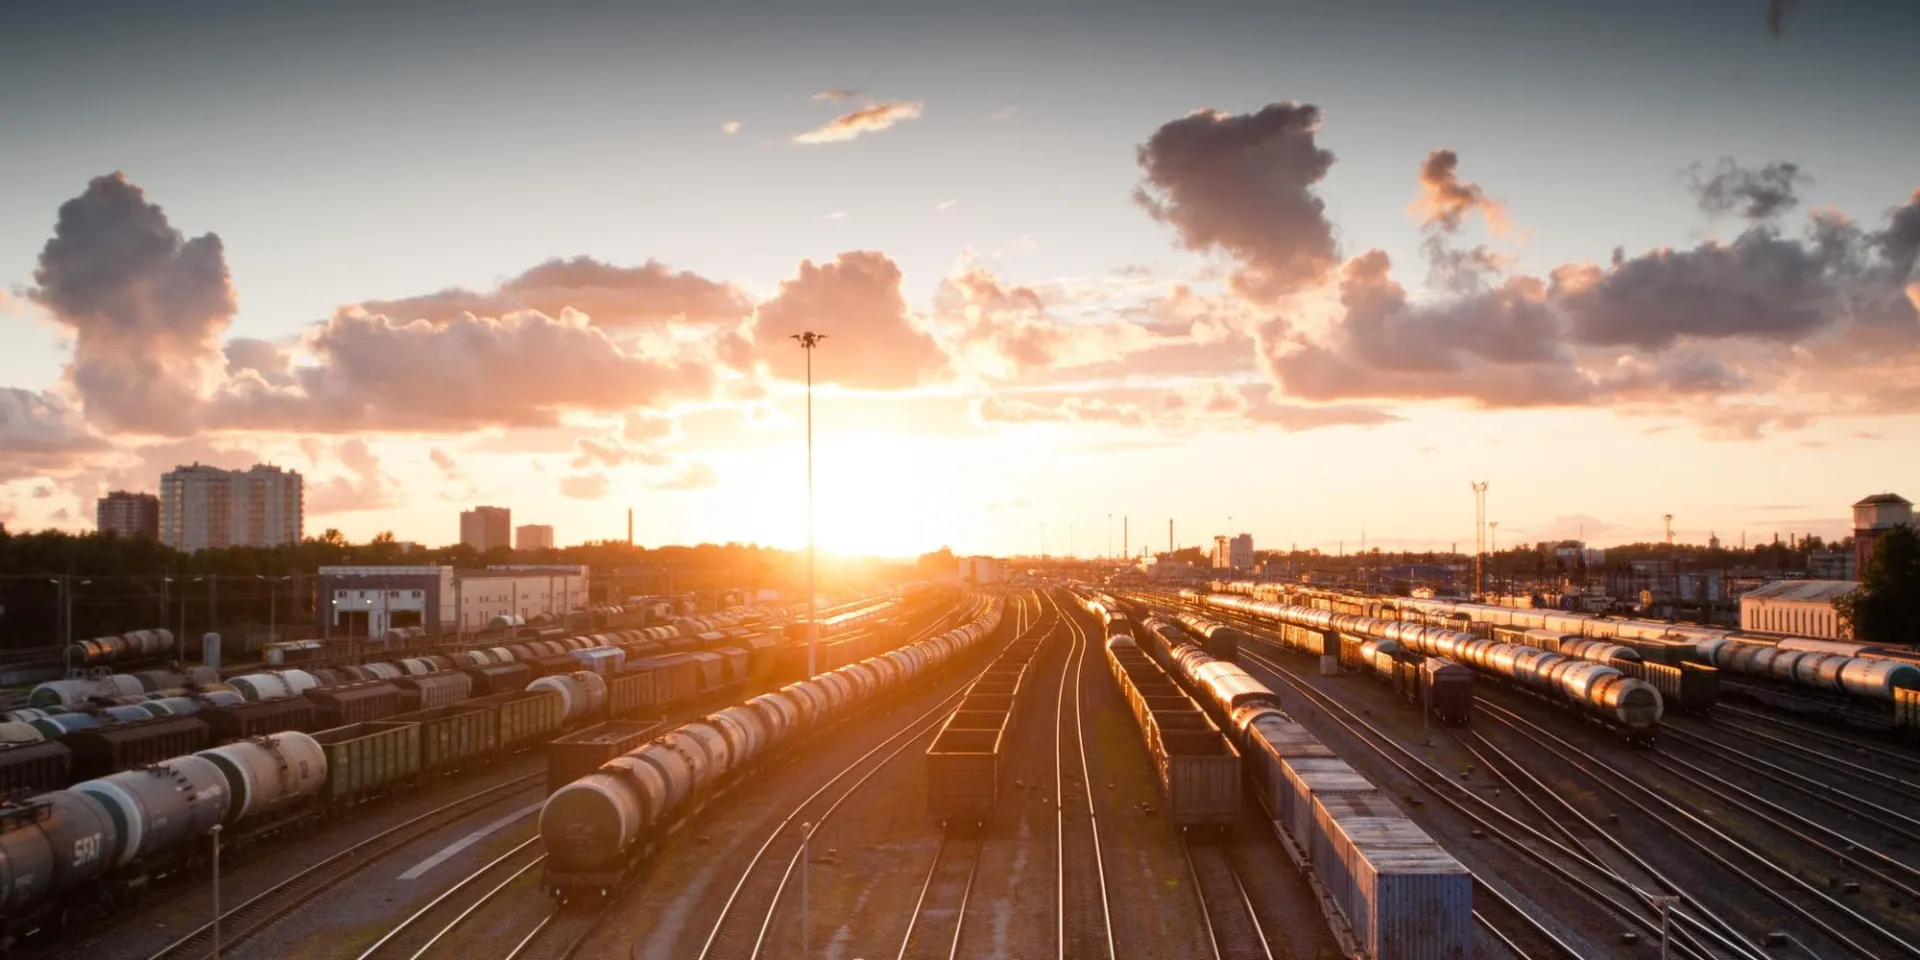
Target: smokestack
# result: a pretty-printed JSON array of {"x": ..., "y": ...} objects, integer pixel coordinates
[
  {"x": 1169, "y": 535},
  {"x": 1125, "y": 551},
  {"x": 629, "y": 526}
]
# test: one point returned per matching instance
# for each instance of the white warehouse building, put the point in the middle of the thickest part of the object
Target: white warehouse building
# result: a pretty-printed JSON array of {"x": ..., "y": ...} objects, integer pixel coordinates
[
  {"x": 370, "y": 600},
  {"x": 1803, "y": 608}
]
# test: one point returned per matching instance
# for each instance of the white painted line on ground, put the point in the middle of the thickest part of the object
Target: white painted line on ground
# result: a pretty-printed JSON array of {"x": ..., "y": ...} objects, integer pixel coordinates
[{"x": 420, "y": 869}]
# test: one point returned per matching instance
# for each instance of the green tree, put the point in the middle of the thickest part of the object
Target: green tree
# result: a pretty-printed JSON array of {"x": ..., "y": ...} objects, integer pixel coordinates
[{"x": 1885, "y": 608}]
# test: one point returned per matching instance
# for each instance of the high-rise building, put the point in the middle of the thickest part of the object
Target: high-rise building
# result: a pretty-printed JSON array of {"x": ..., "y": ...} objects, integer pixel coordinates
[
  {"x": 1240, "y": 552},
  {"x": 533, "y": 536},
  {"x": 485, "y": 528},
  {"x": 1873, "y": 517},
  {"x": 203, "y": 507},
  {"x": 1233, "y": 553},
  {"x": 128, "y": 514}
]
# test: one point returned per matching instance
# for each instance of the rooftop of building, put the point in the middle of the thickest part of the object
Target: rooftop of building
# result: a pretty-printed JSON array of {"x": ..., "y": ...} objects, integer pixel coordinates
[
  {"x": 1884, "y": 498},
  {"x": 1806, "y": 591}
]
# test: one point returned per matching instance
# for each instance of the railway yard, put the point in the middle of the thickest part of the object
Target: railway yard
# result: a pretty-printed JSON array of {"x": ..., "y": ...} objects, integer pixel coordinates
[{"x": 1070, "y": 771}]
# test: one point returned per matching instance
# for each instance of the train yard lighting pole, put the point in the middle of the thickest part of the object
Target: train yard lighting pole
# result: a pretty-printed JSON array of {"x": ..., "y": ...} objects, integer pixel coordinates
[
  {"x": 1666, "y": 926},
  {"x": 806, "y": 895},
  {"x": 216, "y": 891},
  {"x": 808, "y": 341}
]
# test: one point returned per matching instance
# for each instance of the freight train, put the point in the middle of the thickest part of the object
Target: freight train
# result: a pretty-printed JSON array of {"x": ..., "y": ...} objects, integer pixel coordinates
[
  {"x": 1401, "y": 894},
  {"x": 71, "y": 853},
  {"x": 113, "y": 713},
  {"x": 1862, "y": 671},
  {"x": 1595, "y": 691},
  {"x": 598, "y": 828}
]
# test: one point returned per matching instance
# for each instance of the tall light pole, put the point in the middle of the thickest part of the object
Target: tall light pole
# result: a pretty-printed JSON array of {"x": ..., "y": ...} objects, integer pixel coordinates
[
  {"x": 1479, "y": 534},
  {"x": 808, "y": 341}
]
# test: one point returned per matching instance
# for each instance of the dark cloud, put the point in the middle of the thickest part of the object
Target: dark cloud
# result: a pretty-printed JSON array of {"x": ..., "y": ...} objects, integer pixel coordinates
[
  {"x": 38, "y": 433},
  {"x": 872, "y": 118},
  {"x": 855, "y": 301},
  {"x": 1756, "y": 194},
  {"x": 1242, "y": 185},
  {"x": 1446, "y": 200},
  {"x": 609, "y": 295},
  {"x": 1760, "y": 286},
  {"x": 146, "y": 306},
  {"x": 1505, "y": 347},
  {"x": 1777, "y": 16},
  {"x": 524, "y": 369}
]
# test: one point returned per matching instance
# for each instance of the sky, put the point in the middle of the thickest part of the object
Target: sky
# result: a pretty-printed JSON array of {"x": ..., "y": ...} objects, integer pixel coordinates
[{"x": 1302, "y": 270}]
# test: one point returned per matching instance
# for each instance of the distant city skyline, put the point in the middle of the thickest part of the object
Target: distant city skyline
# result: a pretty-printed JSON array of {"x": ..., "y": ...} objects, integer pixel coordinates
[{"x": 1311, "y": 267}]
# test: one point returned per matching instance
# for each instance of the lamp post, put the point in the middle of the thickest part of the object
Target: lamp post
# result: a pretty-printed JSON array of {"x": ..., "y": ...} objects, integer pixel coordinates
[{"x": 808, "y": 341}]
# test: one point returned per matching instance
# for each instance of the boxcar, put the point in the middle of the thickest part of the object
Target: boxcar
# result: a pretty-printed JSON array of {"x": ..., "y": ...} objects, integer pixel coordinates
[
  {"x": 353, "y": 703},
  {"x": 577, "y": 754},
  {"x": 1404, "y": 896},
  {"x": 368, "y": 760},
  {"x": 433, "y": 690},
  {"x": 676, "y": 677},
  {"x": 1447, "y": 688},
  {"x": 499, "y": 678},
  {"x": 120, "y": 746},
  {"x": 525, "y": 717},
  {"x": 629, "y": 693},
  {"x": 35, "y": 767},
  {"x": 257, "y": 718},
  {"x": 454, "y": 737}
]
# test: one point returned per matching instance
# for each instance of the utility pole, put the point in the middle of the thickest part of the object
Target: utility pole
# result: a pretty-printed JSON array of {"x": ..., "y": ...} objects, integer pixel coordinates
[
  {"x": 1109, "y": 537},
  {"x": 808, "y": 341}
]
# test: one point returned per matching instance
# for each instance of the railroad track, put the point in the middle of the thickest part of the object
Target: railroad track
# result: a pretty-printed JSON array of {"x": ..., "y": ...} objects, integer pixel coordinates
[
  {"x": 424, "y": 929},
  {"x": 263, "y": 910},
  {"x": 1590, "y": 879},
  {"x": 1765, "y": 873},
  {"x": 1083, "y": 922},
  {"x": 1903, "y": 759},
  {"x": 1850, "y": 805},
  {"x": 940, "y": 912},
  {"x": 1233, "y": 928},
  {"x": 747, "y": 918},
  {"x": 559, "y": 935}
]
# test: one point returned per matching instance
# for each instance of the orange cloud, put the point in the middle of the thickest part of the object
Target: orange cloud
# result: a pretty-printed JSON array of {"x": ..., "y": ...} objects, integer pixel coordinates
[
  {"x": 855, "y": 300},
  {"x": 608, "y": 295},
  {"x": 871, "y": 118},
  {"x": 1445, "y": 199}
]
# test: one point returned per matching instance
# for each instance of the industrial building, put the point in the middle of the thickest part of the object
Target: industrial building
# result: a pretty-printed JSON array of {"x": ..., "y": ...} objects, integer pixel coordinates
[
  {"x": 1233, "y": 553},
  {"x": 135, "y": 515},
  {"x": 204, "y": 507},
  {"x": 1873, "y": 517},
  {"x": 485, "y": 528},
  {"x": 982, "y": 570},
  {"x": 533, "y": 536},
  {"x": 1803, "y": 608},
  {"x": 370, "y": 600}
]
